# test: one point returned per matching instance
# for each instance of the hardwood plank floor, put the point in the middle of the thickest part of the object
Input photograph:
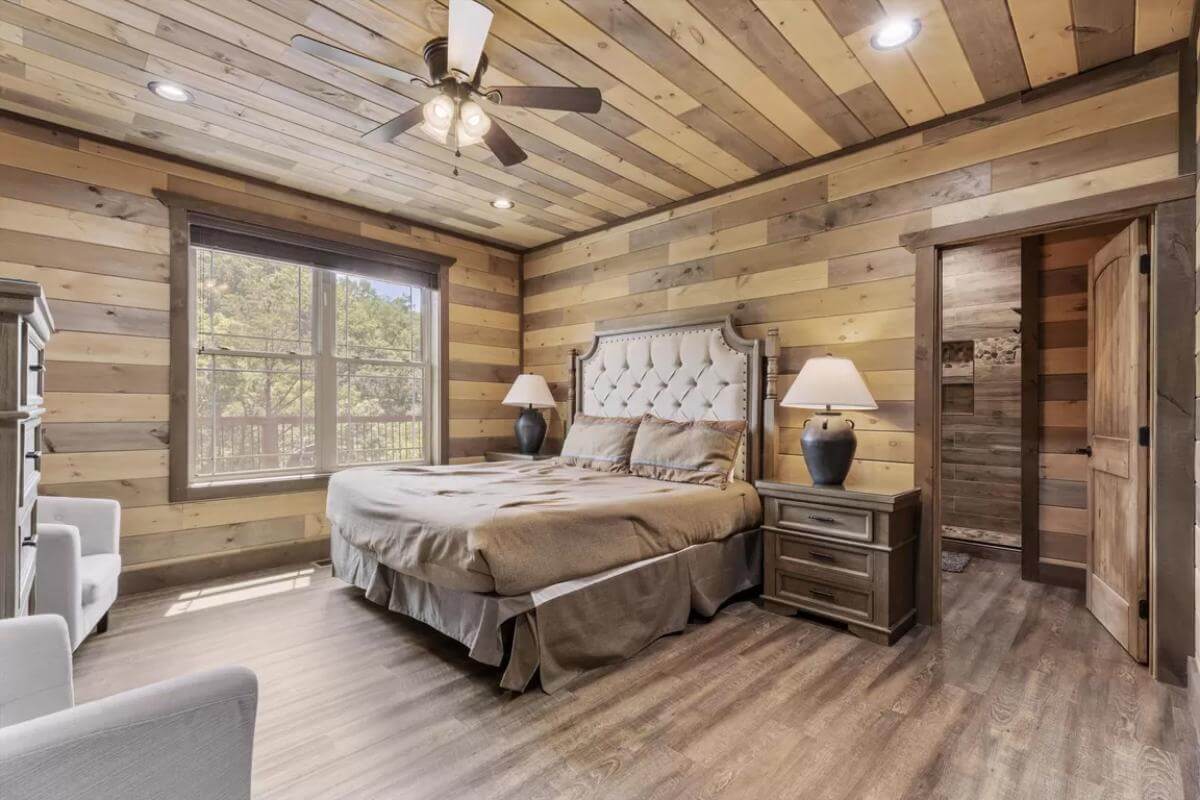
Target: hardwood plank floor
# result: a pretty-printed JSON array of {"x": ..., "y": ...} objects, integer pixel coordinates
[{"x": 1020, "y": 694}]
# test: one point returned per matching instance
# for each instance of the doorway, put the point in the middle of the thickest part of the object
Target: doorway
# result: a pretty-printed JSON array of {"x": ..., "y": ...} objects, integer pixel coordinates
[
  {"x": 1116, "y": 522},
  {"x": 1015, "y": 366}
]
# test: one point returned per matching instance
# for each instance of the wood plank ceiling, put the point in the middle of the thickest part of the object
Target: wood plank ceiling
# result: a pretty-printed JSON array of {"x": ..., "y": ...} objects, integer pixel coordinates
[{"x": 698, "y": 94}]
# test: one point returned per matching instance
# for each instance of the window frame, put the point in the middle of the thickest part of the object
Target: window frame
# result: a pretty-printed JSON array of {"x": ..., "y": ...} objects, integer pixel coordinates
[{"x": 330, "y": 253}]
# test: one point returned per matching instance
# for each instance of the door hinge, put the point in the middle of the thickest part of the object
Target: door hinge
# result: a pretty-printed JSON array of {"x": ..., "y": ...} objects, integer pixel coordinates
[
  {"x": 1144, "y": 264},
  {"x": 1144, "y": 436},
  {"x": 1143, "y": 609}
]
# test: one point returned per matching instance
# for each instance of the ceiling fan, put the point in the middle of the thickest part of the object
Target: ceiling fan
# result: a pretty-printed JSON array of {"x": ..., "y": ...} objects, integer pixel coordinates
[{"x": 456, "y": 66}]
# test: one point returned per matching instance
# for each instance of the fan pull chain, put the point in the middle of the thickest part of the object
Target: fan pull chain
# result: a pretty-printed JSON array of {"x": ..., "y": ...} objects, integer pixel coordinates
[{"x": 454, "y": 123}]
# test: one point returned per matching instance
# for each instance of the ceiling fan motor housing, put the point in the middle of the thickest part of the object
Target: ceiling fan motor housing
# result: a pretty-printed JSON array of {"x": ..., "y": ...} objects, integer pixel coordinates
[{"x": 435, "y": 55}]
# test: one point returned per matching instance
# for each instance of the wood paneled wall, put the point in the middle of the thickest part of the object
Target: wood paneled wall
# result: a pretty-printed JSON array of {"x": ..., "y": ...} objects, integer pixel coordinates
[
  {"x": 815, "y": 252},
  {"x": 981, "y": 409},
  {"x": 77, "y": 215}
]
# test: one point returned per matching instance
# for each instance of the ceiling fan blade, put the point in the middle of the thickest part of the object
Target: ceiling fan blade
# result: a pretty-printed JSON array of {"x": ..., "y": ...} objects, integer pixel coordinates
[
  {"x": 394, "y": 127},
  {"x": 336, "y": 54},
  {"x": 469, "y": 26},
  {"x": 500, "y": 143},
  {"x": 561, "y": 98}
]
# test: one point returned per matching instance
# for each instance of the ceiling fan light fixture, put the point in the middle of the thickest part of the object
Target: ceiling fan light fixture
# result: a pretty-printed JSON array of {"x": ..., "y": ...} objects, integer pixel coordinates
[
  {"x": 439, "y": 135},
  {"x": 502, "y": 203},
  {"x": 895, "y": 33},
  {"x": 465, "y": 139},
  {"x": 439, "y": 113},
  {"x": 170, "y": 91},
  {"x": 474, "y": 119}
]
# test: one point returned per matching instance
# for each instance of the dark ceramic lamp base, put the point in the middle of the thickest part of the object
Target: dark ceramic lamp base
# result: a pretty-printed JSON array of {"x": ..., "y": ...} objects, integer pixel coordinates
[
  {"x": 531, "y": 431},
  {"x": 828, "y": 444}
]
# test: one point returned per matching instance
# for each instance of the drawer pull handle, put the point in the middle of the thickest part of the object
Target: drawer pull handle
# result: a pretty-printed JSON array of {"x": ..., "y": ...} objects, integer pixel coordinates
[
  {"x": 826, "y": 520},
  {"x": 37, "y": 367},
  {"x": 814, "y": 555},
  {"x": 823, "y": 595},
  {"x": 36, "y": 455}
]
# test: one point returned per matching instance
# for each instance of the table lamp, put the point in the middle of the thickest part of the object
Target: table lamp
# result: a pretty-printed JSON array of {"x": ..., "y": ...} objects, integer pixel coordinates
[
  {"x": 530, "y": 392},
  {"x": 830, "y": 385}
]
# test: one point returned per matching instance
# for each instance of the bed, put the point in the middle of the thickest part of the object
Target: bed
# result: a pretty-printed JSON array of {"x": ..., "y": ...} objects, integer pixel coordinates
[{"x": 551, "y": 570}]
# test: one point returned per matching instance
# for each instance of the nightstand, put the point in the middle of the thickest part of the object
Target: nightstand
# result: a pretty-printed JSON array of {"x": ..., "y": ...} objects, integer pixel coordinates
[
  {"x": 500, "y": 455},
  {"x": 845, "y": 555}
]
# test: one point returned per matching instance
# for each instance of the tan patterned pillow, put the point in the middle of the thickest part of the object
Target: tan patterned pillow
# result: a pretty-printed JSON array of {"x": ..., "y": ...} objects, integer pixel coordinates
[
  {"x": 600, "y": 443},
  {"x": 700, "y": 451}
]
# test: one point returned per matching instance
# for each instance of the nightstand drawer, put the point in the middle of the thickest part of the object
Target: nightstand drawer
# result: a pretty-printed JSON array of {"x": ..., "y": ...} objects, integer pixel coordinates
[
  {"x": 808, "y": 554},
  {"x": 799, "y": 515},
  {"x": 821, "y": 596}
]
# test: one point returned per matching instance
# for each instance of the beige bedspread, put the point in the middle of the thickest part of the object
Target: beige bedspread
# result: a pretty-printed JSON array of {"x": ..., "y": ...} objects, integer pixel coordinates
[{"x": 512, "y": 527}]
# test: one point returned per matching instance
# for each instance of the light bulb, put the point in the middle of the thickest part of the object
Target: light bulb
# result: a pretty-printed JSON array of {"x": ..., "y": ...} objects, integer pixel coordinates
[
  {"x": 894, "y": 33},
  {"x": 473, "y": 122},
  {"x": 438, "y": 113}
]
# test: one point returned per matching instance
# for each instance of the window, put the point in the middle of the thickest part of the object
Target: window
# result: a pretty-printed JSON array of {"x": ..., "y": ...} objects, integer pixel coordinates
[{"x": 302, "y": 361}]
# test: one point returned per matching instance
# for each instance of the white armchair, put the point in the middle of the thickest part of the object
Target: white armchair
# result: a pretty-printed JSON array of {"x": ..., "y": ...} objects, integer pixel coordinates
[
  {"x": 190, "y": 738},
  {"x": 78, "y": 562}
]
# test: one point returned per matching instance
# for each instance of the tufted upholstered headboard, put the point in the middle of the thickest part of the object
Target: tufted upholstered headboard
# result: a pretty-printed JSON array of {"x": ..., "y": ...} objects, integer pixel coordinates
[{"x": 681, "y": 370}]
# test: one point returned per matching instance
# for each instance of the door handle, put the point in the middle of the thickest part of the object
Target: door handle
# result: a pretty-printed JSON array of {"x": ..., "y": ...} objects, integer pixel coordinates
[{"x": 1084, "y": 451}]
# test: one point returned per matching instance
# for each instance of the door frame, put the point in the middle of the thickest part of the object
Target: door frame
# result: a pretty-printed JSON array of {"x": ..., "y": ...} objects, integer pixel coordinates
[{"x": 1170, "y": 207}]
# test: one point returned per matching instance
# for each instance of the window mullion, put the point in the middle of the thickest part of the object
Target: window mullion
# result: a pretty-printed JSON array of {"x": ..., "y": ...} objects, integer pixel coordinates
[{"x": 326, "y": 368}]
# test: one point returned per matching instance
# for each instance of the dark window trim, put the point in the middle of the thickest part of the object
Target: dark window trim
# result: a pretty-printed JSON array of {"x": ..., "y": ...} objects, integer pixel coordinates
[
  {"x": 257, "y": 240},
  {"x": 283, "y": 238}
]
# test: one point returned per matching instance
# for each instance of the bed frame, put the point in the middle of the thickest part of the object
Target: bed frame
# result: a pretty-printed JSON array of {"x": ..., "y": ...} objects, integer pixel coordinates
[{"x": 680, "y": 367}]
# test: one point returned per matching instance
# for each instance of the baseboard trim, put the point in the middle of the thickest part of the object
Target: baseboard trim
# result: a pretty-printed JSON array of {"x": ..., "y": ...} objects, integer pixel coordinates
[
  {"x": 153, "y": 577},
  {"x": 1060, "y": 575}
]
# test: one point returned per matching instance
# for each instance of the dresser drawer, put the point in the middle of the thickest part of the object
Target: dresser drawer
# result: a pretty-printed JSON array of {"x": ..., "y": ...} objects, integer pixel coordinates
[
  {"x": 809, "y": 555},
  {"x": 34, "y": 374},
  {"x": 825, "y": 597},
  {"x": 31, "y": 455},
  {"x": 801, "y": 515},
  {"x": 26, "y": 560}
]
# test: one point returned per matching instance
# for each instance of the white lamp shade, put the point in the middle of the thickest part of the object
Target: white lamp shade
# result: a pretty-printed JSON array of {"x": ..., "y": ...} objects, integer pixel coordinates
[
  {"x": 829, "y": 382},
  {"x": 530, "y": 390}
]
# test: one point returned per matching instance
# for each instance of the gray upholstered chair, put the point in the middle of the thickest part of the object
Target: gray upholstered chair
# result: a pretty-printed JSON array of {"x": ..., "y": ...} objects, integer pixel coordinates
[
  {"x": 78, "y": 562},
  {"x": 188, "y": 738}
]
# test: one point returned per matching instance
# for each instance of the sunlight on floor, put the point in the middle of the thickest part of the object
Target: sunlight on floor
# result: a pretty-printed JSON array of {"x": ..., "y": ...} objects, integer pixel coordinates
[{"x": 213, "y": 596}]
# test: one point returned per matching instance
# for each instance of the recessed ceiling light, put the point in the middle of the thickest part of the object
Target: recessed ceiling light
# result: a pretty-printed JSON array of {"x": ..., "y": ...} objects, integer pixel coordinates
[
  {"x": 894, "y": 33},
  {"x": 502, "y": 203},
  {"x": 170, "y": 91}
]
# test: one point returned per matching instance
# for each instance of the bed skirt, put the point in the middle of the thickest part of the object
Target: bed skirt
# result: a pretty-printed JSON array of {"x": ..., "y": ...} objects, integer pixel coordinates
[{"x": 564, "y": 630}]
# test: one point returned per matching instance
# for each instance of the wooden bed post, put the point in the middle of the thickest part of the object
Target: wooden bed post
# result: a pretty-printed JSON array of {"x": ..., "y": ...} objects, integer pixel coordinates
[
  {"x": 770, "y": 398},
  {"x": 572, "y": 358}
]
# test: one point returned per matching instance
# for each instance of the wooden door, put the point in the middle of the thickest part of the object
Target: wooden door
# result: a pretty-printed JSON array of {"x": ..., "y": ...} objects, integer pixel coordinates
[{"x": 1118, "y": 468}]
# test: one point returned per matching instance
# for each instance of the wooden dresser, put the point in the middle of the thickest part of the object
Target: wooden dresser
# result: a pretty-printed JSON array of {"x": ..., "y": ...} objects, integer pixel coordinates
[
  {"x": 845, "y": 555},
  {"x": 25, "y": 327}
]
